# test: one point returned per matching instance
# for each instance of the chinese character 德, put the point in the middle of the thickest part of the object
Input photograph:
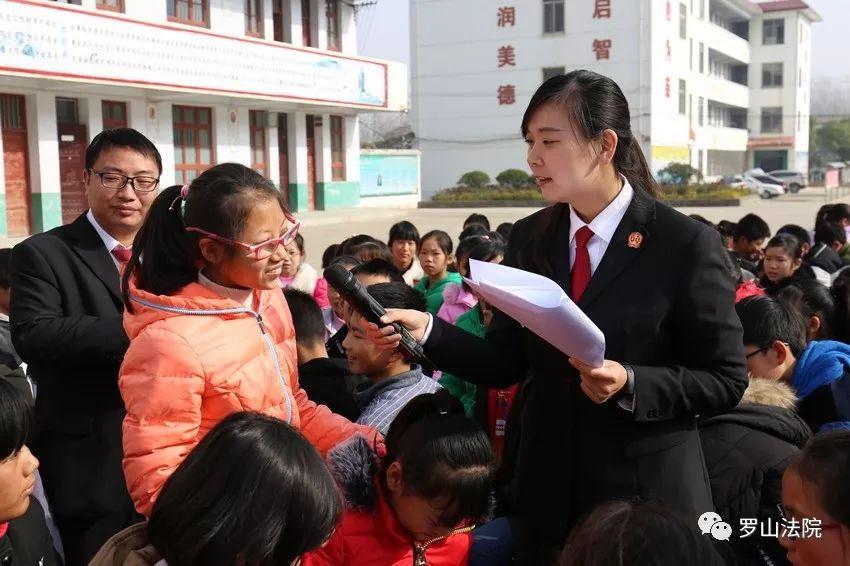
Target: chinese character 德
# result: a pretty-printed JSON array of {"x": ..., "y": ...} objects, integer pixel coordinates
[
  {"x": 602, "y": 47},
  {"x": 507, "y": 95}
]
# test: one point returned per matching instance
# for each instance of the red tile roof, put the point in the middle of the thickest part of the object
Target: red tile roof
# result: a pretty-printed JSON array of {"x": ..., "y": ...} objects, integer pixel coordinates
[{"x": 779, "y": 5}]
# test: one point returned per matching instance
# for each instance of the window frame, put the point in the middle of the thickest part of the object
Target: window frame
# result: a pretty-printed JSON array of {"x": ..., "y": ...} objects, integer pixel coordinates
[
  {"x": 334, "y": 25},
  {"x": 773, "y": 117},
  {"x": 181, "y": 168},
  {"x": 106, "y": 114},
  {"x": 205, "y": 8},
  {"x": 257, "y": 121},
  {"x": 560, "y": 71},
  {"x": 337, "y": 134},
  {"x": 683, "y": 20},
  {"x": 256, "y": 18},
  {"x": 778, "y": 24},
  {"x": 550, "y": 16},
  {"x": 769, "y": 74},
  {"x": 683, "y": 97}
]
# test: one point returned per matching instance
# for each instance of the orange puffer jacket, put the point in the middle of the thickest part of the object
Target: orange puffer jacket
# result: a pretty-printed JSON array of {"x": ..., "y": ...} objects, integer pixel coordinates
[{"x": 194, "y": 358}]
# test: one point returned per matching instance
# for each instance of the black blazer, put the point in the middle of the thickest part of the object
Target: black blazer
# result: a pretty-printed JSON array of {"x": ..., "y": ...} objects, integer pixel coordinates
[
  {"x": 66, "y": 316},
  {"x": 666, "y": 308}
]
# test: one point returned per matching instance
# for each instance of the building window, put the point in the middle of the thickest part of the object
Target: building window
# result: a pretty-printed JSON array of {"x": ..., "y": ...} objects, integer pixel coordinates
[
  {"x": 114, "y": 114},
  {"x": 771, "y": 75},
  {"x": 259, "y": 150},
  {"x": 702, "y": 9},
  {"x": 193, "y": 152},
  {"x": 337, "y": 149},
  {"x": 771, "y": 120},
  {"x": 691, "y": 54},
  {"x": 553, "y": 16},
  {"x": 683, "y": 99},
  {"x": 702, "y": 58},
  {"x": 66, "y": 111},
  {"x": 683, "y": 21},
  {"x": 701, "y": 111},
  {"x": 281, "y": 16},
  {"x": 773, "y": 32},
  {"x": 306, "y": 24},
  {"x": 254, "y": 18},
  {"x": 332, "y": 12},
  {"x": 113, "y": 5},
  {"x": 192, "y": 12},
  {"x": 549, "y": 72}
]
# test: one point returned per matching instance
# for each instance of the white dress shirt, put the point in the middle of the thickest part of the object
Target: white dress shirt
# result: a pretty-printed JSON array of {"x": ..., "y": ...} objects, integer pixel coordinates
[
  {"x": 108, "y": 241},
  {"x": 603, "y": 226}
]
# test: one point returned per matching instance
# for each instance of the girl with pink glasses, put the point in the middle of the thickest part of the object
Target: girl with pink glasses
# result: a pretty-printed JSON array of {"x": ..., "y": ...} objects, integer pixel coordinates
[{"x": 210, "y": 331}]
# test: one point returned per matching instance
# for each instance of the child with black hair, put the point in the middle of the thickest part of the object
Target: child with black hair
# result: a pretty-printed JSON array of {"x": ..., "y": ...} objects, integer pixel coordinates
[
  {"x": 775, "y": 349},
  {"x": 417, "y": 504},
  {"x": 727, "y": 230},
  {"x": 210, "y": 333},
  {"x": 472, "y": 230},
  {"x": 815, "y": 492},
  {"x": 322, "y": 377},
  {"x": 435, "y": 255},
  {"x": 393, "y": 377},
  {"x": 625, "y": 533},
  {"x": 10, "y": 362},
  {"x": 504, "y": 229},
  {"x": 24, "y": 537},
  {"x": 815, "y": 302},
  {"x": 296, "y": 273},
  {"x": 404, "y": 246},
  {"x": 252, "y": 492},
  {"x": 334, "y": 315},
  {"x": 748, "y": 240},
  {"x": 830, "y": 238},
  {"x": 783, "y": 260},
  {"x": 476, "y": 218}
]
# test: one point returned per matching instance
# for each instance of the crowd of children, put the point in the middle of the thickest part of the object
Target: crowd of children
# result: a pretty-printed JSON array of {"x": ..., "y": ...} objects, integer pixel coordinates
[{"x": 264, "y": 426}]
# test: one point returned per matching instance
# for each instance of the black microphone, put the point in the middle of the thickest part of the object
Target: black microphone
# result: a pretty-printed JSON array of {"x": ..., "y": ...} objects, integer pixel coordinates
[{"x": 361, "y": 301}]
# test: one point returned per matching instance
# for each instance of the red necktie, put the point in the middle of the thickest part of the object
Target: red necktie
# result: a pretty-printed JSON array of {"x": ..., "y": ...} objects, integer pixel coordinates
[
  {"x": 122, "y": 254},
  {"x": 580, "y": 276}
]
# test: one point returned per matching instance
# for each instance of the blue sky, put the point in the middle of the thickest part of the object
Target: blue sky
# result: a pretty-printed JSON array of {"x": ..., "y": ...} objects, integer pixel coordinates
[{"x": 384, "y": 32}]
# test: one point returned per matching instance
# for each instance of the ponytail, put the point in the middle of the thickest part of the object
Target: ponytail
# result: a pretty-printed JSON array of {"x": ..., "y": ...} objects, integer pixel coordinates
[
  {"x": 443, "y": 454},
  {"x": 170, "y": 256},
  {"x": 219, "y": 201}
]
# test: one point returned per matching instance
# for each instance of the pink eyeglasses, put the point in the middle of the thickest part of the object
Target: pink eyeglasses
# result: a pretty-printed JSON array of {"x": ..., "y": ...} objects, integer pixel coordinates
[{"x": 261, "y": 250}]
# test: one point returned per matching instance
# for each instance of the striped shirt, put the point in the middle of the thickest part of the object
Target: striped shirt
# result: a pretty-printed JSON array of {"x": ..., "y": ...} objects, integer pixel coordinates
[{"x": 382, "y": 401}]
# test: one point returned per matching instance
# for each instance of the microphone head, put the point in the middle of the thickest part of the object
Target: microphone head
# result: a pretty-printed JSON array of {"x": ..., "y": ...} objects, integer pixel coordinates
[{"x": 340, "y": 279}]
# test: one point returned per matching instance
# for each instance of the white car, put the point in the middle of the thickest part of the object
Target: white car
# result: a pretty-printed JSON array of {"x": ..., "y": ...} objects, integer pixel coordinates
[
  {"x": 793, "y": 179},
  {"x": 763, "y": 186}
]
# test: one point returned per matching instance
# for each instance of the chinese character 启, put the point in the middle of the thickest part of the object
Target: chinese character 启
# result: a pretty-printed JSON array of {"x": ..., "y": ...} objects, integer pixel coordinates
[
  {"x": 507, "y": 95},
  {"x": 507, "y": 56},
  {"x": 748, "y": 527},
  {"x": 602, "y": 47},
  {"x": 602, "y": 10},
  {"x": 507, "y": 16}
]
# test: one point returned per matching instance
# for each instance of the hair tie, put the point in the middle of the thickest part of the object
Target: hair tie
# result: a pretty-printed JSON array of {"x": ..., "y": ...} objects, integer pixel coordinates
[{"x": 184, "y": 191}]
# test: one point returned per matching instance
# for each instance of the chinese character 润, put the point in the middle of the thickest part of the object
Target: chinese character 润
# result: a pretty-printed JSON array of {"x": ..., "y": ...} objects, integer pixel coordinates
[
  {"x": 507, "y": 16},
  {"x": 602, "y": 47},
  {"x": 602, "y": 10},
  {"x": 507, "y": 95},
  {"x": 811, "y": 528},
  {"x": 669, "y": 11},
  {"x": 748, "y": 527},
  {"x": 507, "y": 56}
]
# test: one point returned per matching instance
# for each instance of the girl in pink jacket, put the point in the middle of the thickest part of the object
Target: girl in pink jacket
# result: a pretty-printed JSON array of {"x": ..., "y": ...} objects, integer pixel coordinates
[{"x": 210, "y": 332}]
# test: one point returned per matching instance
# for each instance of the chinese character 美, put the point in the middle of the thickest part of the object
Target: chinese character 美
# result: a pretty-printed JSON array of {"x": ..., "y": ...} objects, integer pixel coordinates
[
  {"x": 602, "y": 47},
  {"x": 507, "y": 56},
  {"x": 791, "y": 528},
  {"x": 507, "y": 16},
  {"x": 772, "y": 530},
  {"x": 668, "y": 50},
  {"x": 507, "y": 95},
  {"x": 748, "y": 527},
  {"x": 811, "y": 528},
  {"x": 602, "y": 9}
]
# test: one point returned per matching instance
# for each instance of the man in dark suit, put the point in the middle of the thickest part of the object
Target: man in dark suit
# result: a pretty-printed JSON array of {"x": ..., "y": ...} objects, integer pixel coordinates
[{"x": 66, "y": 316}]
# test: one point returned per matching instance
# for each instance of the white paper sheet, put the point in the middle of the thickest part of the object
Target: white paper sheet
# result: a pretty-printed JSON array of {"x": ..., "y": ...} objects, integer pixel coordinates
[{"x": 539, "y": 304}]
